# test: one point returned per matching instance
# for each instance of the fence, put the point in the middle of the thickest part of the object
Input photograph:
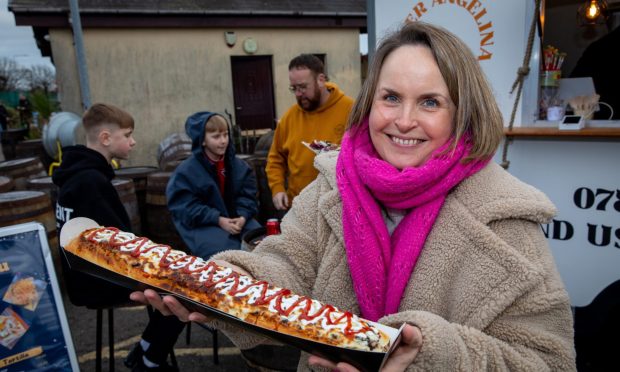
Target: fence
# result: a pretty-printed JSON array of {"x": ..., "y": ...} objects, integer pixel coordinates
[{"x": 11, "y": 98}]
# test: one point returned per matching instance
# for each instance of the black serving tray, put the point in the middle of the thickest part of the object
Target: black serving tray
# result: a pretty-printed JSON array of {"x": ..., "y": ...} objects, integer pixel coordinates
[{"x": 363, "y": 360}]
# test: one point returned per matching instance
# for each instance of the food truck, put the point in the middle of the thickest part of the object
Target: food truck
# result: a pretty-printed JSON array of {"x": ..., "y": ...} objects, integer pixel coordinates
[{"x": 575, "y": 164}]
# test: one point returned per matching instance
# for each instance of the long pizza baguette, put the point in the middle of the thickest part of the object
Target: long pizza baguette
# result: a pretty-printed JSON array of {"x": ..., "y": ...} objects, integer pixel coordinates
[{"x": 253, "y": 301}]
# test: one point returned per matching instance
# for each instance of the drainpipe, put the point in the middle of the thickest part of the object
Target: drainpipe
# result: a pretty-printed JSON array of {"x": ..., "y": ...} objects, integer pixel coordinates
[
  {"x": 79, "y": 53},
  {"x": 371, "y": 28}
]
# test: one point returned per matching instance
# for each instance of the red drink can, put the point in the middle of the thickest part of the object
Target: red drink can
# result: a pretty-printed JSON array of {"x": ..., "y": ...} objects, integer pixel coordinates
[{"x": 273, "y": 226}]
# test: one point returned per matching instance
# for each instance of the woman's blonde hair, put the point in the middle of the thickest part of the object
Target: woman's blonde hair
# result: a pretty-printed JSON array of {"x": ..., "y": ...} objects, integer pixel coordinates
[{"x": 477, "y": 113}]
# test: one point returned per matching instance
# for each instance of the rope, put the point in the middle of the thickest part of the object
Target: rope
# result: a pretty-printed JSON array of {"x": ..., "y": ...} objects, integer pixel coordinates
[{"x": 522, "y": 72}]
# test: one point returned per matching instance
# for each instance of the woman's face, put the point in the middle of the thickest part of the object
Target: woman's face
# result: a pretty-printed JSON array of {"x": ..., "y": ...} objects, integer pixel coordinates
[{"x": 412, "y": 113}]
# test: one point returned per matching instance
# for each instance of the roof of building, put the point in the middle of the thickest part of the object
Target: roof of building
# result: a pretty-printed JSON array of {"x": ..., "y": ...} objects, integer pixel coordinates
[
  {"x": 331, "y": 7},
  {"x": 230, "y": 14}
]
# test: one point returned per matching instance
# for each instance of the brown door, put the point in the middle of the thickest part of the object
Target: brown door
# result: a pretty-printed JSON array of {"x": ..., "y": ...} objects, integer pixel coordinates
[{"x": 253, "y": 92}]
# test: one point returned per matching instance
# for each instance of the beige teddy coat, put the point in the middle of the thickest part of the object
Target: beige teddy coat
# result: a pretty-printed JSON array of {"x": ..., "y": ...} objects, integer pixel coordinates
[{"x": 485, "y": 292}]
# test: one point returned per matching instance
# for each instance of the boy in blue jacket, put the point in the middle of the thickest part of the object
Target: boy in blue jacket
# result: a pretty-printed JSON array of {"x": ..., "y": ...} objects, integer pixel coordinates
[{"x": 212, "y": 194}]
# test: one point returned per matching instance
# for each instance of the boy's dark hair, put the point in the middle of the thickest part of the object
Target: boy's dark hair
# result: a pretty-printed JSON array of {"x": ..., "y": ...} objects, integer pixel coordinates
[
  {"x": 309, "y": 61},
  {"x": 103, "y": 113}
]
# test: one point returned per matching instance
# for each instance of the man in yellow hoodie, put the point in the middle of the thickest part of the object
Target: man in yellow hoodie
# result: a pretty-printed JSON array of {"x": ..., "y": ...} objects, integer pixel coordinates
[{"x": 320, "y": 114}]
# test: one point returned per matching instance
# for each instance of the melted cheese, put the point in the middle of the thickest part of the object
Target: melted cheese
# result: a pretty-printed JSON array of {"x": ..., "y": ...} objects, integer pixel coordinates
[{"x": 153, "y": 253}]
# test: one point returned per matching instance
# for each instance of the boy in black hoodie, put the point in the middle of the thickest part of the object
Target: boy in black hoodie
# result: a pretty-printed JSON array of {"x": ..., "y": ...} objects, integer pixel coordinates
[{"x": 85, "y": 190}]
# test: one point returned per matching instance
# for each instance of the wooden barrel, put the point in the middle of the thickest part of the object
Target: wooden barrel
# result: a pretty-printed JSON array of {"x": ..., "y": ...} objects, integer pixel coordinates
[
  {"x": 264, "y": 144},
  {"x": 46, "y": 185},
  {"x": 33, "y": 147},
  {"x": 20, "y": 170},
  {"x": 245, "y": 157},
  {"x": 127, "y": 193},
  {"x": 139, "y": 176},
  {"x": 6, "y": 184},
  {"x": 10, "y": 138},
  {"x": 26, "y": 206},
  {"x": 159, "y": 221},
  {"x": 173, "y": 150}
]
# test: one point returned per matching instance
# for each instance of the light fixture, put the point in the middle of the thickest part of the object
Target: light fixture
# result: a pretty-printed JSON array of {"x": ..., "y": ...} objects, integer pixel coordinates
[
  {"x": 592, "y": 12},
  {"x": 231, "y": 38}
]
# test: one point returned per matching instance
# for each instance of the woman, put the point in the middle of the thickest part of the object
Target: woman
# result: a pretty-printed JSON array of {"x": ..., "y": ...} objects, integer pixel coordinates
[{"x": 412, "y": 223}]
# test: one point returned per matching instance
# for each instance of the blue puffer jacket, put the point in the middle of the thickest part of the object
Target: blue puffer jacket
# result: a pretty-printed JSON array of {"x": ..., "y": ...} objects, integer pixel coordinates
[{"x": 194, "y": 199}]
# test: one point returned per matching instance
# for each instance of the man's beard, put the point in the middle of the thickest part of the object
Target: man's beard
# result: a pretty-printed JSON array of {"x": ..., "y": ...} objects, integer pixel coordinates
[{"x": 310, "y": 104}]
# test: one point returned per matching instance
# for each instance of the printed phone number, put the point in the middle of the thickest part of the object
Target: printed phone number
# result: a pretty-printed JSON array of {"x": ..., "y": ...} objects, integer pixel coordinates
[{"x": 601, "y": 199}]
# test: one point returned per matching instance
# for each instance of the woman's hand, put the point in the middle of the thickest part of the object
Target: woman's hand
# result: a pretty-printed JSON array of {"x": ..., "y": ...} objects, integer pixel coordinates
[
  {"x": 168, "y": 305},
  {"x": 399, "y": 360}
]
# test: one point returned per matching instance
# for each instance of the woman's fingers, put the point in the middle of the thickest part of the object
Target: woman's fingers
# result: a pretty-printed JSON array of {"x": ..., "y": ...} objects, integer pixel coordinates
[
  {"x": 199, "y": 318},
  {"x": 182, "y": 312},
  {"x": 340, "y": 367},
  {"x": 177, "y": 308},
  {"x": 318, "y": 361},
  {"x": 155, "y": 300},
  {"x": 168, "y": 305},
  {"x": 138, "y": 297},
  {"x": 406, "y": 352},
  {"x": 403, "y": 356}
]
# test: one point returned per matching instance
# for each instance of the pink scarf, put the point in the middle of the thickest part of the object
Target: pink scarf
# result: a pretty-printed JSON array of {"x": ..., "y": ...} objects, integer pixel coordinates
[{"x": 381, "y": 265}]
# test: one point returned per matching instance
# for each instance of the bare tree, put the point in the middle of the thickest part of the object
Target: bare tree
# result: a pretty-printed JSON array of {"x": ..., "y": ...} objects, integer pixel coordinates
[
  {"x": 10, "y": 74},
  {"x": 42, "y": 77}
]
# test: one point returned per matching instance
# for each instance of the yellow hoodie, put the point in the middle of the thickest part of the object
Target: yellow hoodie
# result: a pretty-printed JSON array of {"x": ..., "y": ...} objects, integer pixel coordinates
[{"x": 289, "y": 157}]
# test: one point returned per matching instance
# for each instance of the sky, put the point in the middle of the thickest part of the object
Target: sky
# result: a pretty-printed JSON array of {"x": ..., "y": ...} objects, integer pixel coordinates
[{"x": 17, "y": 42}]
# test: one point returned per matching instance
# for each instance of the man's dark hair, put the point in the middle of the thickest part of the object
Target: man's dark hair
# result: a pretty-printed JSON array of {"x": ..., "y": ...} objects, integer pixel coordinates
[{"x": 309, "y": 61}]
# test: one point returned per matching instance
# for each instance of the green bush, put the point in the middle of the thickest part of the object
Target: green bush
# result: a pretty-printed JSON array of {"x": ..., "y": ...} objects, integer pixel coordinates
[
  {"x": 44, "y": 104},
  {"x": 13, "y": 119}
]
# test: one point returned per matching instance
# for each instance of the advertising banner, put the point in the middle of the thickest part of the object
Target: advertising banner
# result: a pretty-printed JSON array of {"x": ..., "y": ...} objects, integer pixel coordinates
[
  {"x": 34, "y": 334},
  {"x": 495, "y": 31},
  {"x": 585, "y": 234}
]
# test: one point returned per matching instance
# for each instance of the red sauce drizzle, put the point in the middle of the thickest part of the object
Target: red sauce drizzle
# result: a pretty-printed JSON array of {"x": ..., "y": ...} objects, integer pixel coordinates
[{"x": 303, "y": 302}]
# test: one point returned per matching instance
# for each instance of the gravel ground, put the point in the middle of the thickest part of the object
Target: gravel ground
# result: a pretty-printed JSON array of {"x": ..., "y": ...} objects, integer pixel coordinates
[{"x": 197, "y": 355}]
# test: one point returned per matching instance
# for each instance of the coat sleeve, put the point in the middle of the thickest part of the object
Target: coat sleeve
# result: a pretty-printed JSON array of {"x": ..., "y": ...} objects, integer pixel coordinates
[
  {"x": 186, "y": 205},
  {"x": 246, "y": 203},
  {"x": 534, "y": 333}
]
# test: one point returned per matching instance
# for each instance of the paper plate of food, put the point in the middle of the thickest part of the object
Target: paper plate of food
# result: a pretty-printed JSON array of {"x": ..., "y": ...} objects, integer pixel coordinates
[
  {"x": 310, "y": 325},
  {"x": 318, "y": 146}
]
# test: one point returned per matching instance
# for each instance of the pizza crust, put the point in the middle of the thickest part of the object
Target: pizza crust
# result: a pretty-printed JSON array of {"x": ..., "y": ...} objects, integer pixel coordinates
[{"x": 253, "y": 301}]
